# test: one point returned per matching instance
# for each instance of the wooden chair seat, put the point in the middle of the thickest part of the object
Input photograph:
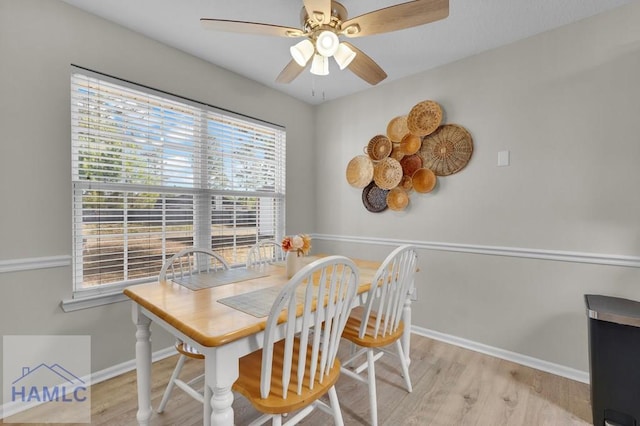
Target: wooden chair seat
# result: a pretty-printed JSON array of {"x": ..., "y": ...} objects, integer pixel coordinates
[
  {"x": 352, "y": 331},
  {"x": 249, "y": 384},
  {"x": 187, "y": 350}
]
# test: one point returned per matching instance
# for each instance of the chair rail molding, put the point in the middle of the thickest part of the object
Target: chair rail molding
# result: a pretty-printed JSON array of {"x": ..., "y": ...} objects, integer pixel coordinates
[
  {"x": 30, "y": 263},
  {"x": 527, "y": 253}
]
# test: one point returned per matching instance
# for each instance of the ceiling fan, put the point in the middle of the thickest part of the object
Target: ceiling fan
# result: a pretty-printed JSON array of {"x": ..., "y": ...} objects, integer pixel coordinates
[{"x": 323, "y": 21}]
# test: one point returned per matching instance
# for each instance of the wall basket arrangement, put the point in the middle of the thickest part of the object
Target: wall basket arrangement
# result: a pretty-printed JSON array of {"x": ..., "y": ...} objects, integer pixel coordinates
[{"x": 416, "y": 149}]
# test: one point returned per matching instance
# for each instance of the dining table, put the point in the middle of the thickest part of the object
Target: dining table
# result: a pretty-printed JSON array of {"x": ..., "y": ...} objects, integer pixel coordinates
[{"x": 223, "y": 316}]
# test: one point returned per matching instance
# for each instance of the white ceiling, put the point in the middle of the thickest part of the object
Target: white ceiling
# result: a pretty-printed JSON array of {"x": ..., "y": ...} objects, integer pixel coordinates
[{"x": 473, "y": 26}]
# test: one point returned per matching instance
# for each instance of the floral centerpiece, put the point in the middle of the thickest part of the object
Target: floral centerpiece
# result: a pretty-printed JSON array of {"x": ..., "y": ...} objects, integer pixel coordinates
[
  {"x": 295, "y": 246},
  {"x": 300, "y": 244}
]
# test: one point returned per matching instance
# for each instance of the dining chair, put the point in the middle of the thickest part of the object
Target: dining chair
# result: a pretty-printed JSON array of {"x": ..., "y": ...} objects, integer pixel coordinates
[
  {"x": 265, "y": 252},
  {"x": 378, "y": 324},
  {"x": 297, "y": 366},
  {"x": 188, "y": 262}
]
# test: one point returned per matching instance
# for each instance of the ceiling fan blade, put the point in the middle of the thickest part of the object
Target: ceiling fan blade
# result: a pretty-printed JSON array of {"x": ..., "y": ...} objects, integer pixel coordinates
[
  {"x": 365, "y": 67},
  {"x": 250, "y": 28},
  {"x": 398, "y": 17},
  {"x": 319, "y": 10},
  {"x": 290, "y": 72}
]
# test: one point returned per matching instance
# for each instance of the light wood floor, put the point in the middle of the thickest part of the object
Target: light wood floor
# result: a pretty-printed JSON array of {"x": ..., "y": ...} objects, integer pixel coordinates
[{"x": 451, "y": 387}]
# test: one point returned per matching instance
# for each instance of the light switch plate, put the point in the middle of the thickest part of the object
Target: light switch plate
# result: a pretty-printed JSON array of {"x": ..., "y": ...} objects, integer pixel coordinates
[{"x": 503, "y": 158}]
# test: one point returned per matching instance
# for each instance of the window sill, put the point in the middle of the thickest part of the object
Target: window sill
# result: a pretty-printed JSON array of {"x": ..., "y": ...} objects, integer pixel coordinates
[{"x": 92, "y": 301}]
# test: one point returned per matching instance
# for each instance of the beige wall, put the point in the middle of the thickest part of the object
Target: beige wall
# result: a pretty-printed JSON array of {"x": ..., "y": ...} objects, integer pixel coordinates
[
  {"x": 565, "y": 104},
  {"x": 39, "y": 39}
]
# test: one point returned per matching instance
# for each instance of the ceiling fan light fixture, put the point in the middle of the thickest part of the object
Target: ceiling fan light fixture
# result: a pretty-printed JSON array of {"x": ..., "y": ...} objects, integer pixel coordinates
[
  {"x": 327, "y": 43},
  {"x": 301, "y": 52},
  {"x": 320, "y": 65},
  {"x": 344, "y": 55}
]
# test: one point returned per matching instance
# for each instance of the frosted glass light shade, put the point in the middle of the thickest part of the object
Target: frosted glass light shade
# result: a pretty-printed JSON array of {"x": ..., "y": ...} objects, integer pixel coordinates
[
  {"x": 302, "y": 52},
  {"x": 327, "y": 43},
  {"x": 344, "y": 55},
  {"x": 320, "y": 65}
]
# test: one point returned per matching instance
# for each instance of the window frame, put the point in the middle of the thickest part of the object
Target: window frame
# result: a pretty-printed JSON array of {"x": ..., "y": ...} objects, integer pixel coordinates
[{"x": 203, "y": 198}]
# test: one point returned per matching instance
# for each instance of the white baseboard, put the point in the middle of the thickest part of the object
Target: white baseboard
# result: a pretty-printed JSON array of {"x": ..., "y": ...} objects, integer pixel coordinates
[
  {"x": 7, "y": 410},
  {"x": 125, "y": 367},
  {"x": 538, "y": 364}
]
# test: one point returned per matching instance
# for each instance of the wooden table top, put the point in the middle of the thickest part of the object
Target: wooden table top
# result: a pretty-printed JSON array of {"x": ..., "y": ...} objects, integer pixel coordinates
[{"x": 199, "y": 315}]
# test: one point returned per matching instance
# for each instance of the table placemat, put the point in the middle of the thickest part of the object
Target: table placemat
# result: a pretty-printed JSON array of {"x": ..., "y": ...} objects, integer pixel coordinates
[
  {"x": 217, "y": 278},
  {"x": 258, "y": 303}
]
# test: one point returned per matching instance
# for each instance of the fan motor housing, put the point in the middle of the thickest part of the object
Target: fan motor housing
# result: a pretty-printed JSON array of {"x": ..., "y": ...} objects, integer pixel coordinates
[{"x": 338, "y": 15}]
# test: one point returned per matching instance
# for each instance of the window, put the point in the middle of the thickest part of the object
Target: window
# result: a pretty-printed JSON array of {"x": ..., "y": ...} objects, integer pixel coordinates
[{"x": 154, "y": 173}]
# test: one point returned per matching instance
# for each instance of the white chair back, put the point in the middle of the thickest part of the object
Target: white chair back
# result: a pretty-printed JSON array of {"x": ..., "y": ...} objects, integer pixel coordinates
[
  {"x": 188, "y": 262},
  {"x": 192, "y": 261},
  {"x": 264, "y": 253},
  {"x": 332, "y": 280},
  {"x": 389, "y": 289}
]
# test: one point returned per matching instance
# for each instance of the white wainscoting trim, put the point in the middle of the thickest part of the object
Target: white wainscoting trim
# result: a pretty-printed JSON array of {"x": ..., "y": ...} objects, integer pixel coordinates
[
  {"x": 538, "y": 364},
  {"x": 26, "y": 264},
  {"x": 10, "y": 409},
  {"x": 556, "y": 255}
]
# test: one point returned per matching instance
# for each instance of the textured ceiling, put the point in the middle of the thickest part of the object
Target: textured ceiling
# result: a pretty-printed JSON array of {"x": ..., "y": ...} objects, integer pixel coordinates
[{"x": 473, "y": 26}]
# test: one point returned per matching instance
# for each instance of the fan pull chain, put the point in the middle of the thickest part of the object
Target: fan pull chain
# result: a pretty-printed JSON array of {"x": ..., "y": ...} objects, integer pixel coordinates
[{"x": 313, "y": 88}]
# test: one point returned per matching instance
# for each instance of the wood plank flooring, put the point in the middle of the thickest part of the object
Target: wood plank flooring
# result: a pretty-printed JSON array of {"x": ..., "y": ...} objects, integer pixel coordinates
[{"x": 451, "y": 387}]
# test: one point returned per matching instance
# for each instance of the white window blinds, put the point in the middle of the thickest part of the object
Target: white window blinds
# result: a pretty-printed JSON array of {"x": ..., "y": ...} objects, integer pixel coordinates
[{"x": 153, "y": 173}]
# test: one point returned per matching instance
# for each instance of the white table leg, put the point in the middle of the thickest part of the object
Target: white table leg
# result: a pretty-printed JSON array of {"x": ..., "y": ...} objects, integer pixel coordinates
[
  {"x": 221, "y": 370},
  {"x": 406, "y": 318},
  {"x": 143, "y": 365},
  {"x": 207, "y": 406}
]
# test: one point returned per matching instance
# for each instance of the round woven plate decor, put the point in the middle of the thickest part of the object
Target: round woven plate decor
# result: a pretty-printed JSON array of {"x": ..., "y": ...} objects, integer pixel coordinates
[
  {"x": 406, "y": 183},
  {"x": 397, "y": 199},
  {"x": 410, "y": 164},
  {"x": 410, "y": 144},
  {"x": 424, "y": 118},
  {"x": 360, "y": 171},
  {"x": 387, "y": 173},
  {"x": 397, "y": 128},
  {"x": 374, "y": 198},
  {"x": 379, "y": 147},
  {"x": 447, "y": 150},
  {"x": 397, "y": 153},
  {"x": 424, "y": 180}
]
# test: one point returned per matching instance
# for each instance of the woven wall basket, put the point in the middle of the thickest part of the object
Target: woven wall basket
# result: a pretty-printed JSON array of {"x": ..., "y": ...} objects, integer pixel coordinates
[
  {"x": 447, "y": 150},
  {"x": 379, "y": 147},
  {"x": 387, "y": 174},
  {"x": 397, "y": 199},
  {"x": 360, "y": 171},
  {"x": 406, "y": 183},
  {"x": 397, "y": 153},
  {"x": 424, "y": 180},
  {"x": 410, "y": 164},
  {"x": 374, "y": 198},
  {"x": 397, "y": 128},
  {"x": 424, "y": 118},
  {"x": 410, "y": 144}
]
